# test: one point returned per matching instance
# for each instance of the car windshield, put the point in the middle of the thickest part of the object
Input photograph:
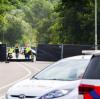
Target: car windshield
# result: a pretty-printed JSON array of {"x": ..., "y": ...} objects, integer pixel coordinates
[{"x": 68, "y": 70}]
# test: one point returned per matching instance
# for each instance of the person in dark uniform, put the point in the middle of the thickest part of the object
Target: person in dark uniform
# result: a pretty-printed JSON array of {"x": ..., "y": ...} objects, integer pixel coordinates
[{"x": 16, "y": 51}]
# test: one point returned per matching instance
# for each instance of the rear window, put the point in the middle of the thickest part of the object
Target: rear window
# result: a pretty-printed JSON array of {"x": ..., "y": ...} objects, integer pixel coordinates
[{"x": 93, "y": 70}]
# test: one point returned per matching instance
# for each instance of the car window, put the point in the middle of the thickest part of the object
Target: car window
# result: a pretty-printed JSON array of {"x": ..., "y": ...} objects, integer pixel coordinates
[
  {"x": 93, "y": 70},
  {"x": 70, "y": 69}
]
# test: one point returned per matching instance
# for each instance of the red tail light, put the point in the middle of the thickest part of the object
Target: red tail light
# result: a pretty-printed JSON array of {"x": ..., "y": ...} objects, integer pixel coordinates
[{"x": 83, "y": 89}]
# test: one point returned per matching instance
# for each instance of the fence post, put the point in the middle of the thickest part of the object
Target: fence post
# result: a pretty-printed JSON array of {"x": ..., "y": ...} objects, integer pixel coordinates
[{"x": 62, "y": 50}]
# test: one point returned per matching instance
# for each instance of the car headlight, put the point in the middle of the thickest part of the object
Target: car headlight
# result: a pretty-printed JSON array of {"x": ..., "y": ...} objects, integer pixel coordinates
[{"x": 55, "y": 94}]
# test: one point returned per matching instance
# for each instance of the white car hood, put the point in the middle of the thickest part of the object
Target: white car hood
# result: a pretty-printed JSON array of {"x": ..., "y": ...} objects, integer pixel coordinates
[{"x": 40, "y": 87}]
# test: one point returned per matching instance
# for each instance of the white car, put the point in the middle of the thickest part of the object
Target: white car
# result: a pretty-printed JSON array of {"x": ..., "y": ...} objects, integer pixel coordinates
[
  {"x": 59, "y": 80},
  {"x": 89, "y": 87}
]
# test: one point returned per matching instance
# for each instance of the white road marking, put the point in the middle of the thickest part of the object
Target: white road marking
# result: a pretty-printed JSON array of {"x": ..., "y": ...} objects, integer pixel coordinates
[
  {"x": 32, "y": 67},
  {"x": 26, "y": 69},
  {"x": 29, "y": 74}
]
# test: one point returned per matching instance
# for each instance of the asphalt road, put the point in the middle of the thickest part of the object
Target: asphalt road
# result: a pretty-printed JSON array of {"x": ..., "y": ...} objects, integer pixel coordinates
[{"x": 13, "y": 72}]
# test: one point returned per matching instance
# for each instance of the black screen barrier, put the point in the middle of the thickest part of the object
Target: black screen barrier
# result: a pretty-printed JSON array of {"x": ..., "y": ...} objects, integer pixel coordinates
[
  {"x": 72, "y": 50},
  {"x": 2, "y": 52},
  {"x": 48, "y": 52},
  {"x": 51, "y": 52},
  {"x": 44, "y": 52}
]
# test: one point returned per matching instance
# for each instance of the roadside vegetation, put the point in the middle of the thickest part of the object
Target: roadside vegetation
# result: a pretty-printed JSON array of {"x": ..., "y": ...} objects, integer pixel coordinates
[{"x": 48, "y": 21}]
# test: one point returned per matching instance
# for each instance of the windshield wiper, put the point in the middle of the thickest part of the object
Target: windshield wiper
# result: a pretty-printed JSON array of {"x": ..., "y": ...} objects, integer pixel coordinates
[
  {"x": 35, "y": 78},
  {"x": 55, "y": 79},
  {"x": 62, "y": 79}
]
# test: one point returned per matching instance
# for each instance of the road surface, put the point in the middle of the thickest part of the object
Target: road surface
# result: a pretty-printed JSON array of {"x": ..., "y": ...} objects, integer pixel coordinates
[{"x": 13, "y": 72}]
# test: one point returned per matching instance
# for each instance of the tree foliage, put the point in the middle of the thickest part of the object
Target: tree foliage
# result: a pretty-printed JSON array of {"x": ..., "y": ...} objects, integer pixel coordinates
[
  {"x": 78, "y": 21},
  {"x": 48, "y": 21},
  {"x": 25, "y": 21}
]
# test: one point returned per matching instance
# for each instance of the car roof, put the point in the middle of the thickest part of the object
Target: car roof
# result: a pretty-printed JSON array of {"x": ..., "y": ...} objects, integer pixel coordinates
[
  {"x": 91, "y": 52},
  {"x": 77, "y": 57}
]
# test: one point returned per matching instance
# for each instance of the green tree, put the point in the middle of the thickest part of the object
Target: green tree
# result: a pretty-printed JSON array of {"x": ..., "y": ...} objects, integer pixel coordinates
[{"x": 78, "y": 21}]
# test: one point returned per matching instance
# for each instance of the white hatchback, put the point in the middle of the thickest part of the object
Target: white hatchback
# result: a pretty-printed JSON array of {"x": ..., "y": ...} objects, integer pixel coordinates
[{"x": 59, "y": 80}]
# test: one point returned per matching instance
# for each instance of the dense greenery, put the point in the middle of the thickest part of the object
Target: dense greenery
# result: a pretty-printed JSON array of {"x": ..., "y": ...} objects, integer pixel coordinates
[
  {"x": 26, "y": 21},
  {"x": 48, "y": 21},
  {"x": 78, "y": 21}
]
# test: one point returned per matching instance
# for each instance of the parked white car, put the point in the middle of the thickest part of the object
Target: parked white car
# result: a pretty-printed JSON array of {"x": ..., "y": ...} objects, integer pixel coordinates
[{"x": 59, "y": 80}]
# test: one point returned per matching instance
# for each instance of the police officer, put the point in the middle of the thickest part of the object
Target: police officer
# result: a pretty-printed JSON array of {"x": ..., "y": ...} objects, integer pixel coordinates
[
  {"x": 10, "y": 52},
  {"x": 27, "y": 52},
  {"x": 17, "y": 51}
]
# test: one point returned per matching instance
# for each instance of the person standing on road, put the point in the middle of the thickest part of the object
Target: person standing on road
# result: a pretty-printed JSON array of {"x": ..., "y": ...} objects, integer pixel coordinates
[
  {"x": 27, "y": 52},
  {"x": 16, "y": 51},
  {"x": 10, "y": 52}
]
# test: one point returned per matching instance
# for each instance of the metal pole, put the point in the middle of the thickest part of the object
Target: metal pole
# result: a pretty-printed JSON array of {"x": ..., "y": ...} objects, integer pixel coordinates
[
  {"x": 96, "y": 39},
  {"x": 3, "y": 36},
  {"x": 62, "y": 49}
]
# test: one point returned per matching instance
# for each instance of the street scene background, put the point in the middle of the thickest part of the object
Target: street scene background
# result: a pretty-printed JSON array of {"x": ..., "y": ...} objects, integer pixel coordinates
[{"x": 56, "y": 28}]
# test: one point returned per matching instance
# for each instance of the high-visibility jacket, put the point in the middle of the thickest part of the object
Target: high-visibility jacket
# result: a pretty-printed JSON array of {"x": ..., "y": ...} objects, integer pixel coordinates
[
  {"x": 28, "y": 49},
  {"x": 11, "y": 50}
]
